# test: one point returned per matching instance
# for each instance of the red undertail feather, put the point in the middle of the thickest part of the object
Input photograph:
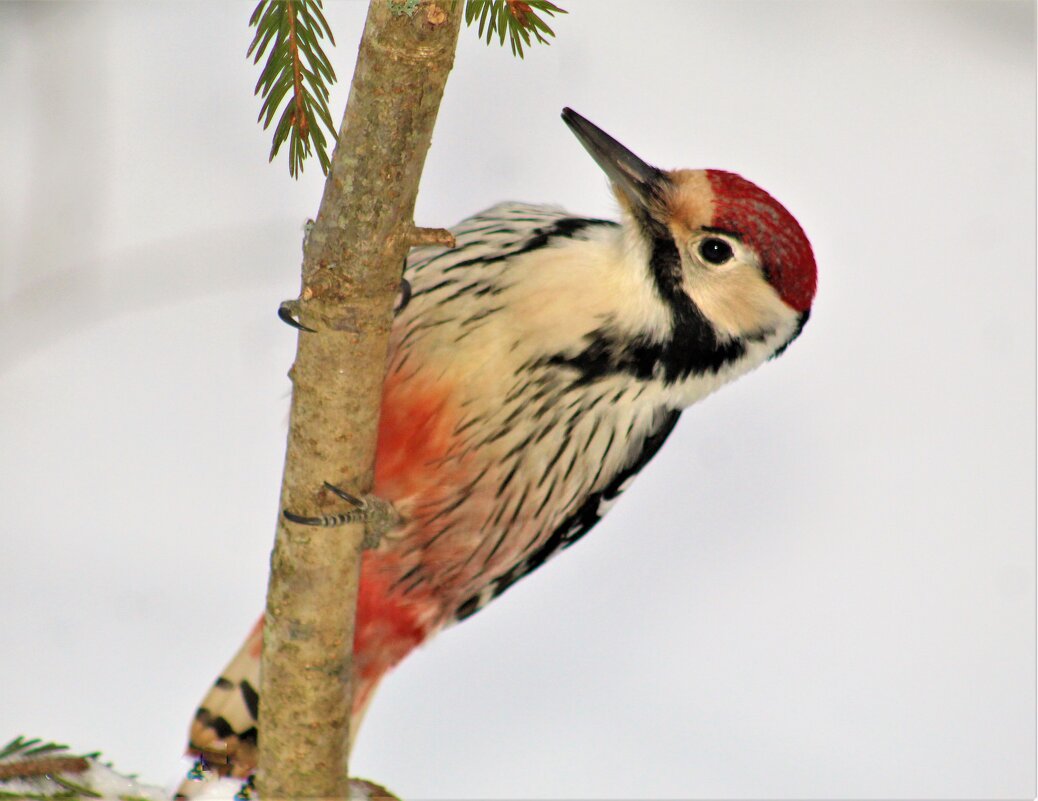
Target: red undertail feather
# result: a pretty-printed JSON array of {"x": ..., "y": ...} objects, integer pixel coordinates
[{"x": 392, "y": 618}]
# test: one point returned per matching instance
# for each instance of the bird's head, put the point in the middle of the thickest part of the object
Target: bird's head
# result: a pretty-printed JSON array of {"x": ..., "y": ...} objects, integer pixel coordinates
[{"x": 730, "y": 260}]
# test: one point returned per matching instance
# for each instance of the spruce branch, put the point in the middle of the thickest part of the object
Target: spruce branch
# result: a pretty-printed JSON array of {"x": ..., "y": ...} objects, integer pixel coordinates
[
  {"x": 516, "y": 19},
  {"x": 34, "y": 770},
  {"x": 297, "y": 72}
]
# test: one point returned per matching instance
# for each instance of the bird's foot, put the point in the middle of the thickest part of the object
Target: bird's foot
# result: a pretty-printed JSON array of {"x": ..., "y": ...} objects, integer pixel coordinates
[{"x": 377, "y": 515}]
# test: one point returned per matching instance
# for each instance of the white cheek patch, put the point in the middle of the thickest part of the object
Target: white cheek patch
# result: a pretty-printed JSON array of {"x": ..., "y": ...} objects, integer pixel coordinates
[{"x": 737, "y": 300}]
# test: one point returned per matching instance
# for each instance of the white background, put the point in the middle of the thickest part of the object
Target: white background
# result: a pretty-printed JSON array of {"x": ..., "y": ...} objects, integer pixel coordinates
[{"x": 824, "y": 586}]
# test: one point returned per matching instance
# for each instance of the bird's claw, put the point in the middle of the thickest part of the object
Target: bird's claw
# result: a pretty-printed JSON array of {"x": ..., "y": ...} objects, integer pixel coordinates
[
  {"x": 377, "y": 515},
  {"x": 288, "y": 311},
  {"x": 360, "y": 503},
  {"x": 403, "y": 298}
]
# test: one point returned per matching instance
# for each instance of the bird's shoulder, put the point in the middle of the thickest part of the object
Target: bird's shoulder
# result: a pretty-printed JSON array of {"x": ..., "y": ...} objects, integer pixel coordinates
[{"x": 500, "y": 233}]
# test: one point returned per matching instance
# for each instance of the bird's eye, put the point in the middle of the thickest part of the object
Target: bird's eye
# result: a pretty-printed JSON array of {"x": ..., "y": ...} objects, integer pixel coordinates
[{"x": 715, "y": 251}]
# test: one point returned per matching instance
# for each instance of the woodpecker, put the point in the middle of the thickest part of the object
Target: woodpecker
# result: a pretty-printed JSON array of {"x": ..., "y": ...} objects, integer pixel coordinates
[{"x": 533, "y": 371}]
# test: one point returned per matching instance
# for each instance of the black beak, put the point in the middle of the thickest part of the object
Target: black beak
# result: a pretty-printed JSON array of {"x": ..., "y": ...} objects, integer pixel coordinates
[{"x": 641, "y": 182}]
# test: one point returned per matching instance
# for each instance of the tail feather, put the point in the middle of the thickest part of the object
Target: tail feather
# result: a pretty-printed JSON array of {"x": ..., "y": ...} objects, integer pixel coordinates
[{"x": 224, "y": 731}]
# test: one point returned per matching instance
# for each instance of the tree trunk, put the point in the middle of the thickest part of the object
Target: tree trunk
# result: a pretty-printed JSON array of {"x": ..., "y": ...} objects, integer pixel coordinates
[{"x": 351, "y": 274}]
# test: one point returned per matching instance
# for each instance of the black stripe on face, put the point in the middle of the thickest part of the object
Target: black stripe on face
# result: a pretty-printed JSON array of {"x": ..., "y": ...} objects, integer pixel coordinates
[
  {"x": 670, "y": 361},
  {"x": 692, "y": 348}
]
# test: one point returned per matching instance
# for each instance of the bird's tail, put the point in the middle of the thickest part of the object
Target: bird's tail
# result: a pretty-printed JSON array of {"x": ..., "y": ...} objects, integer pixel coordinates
[
  {"x": 225, "y": 728},
  {"x": 224, "y": 733}
]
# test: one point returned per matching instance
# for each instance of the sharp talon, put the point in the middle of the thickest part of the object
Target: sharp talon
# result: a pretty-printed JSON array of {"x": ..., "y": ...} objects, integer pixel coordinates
[
  {"x": 303, "y": 521},
  {"x": 360, "y": 504},
  {"x": 405, "y": 296},
  {"x": 287, "y": 311},
  {"x": 328, "y": 521}
]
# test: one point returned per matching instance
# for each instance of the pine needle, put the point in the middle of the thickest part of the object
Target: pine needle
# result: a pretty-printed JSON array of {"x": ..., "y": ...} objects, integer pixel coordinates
[
  {"x": 297, "y": 74},
  {"x": 516, "y": 19}
]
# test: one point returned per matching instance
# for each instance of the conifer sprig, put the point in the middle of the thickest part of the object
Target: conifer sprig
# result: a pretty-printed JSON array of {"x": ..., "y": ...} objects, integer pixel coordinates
[
  {"x": 517, "y": 19},
  {"x": 297, "y": 72},
  {"x": 34, "y": 770}
]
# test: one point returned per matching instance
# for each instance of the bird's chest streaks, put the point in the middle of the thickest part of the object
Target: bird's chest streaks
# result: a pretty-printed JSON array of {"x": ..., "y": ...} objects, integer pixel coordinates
[
  {"x": 486, "y": 447},
  {"x": 484, "y": 487}
]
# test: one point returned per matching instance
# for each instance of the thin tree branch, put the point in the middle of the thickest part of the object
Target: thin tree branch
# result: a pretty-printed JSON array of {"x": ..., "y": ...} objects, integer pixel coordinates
[
  {"x": 27, "y": 768},
  {"x": 431, "y": 236},
  {"x": 351, "y": 274}
]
